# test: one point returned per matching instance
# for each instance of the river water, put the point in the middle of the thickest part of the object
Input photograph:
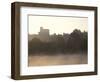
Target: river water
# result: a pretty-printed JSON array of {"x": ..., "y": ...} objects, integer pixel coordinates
[{"x": 57, "y": 59}]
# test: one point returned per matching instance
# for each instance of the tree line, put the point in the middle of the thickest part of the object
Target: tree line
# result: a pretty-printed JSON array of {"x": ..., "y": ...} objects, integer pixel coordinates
[{"x": 75, "y": 43}]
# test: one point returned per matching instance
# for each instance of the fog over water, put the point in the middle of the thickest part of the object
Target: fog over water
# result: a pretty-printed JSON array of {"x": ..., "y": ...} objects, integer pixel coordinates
[{"x": 57, "y": 59}]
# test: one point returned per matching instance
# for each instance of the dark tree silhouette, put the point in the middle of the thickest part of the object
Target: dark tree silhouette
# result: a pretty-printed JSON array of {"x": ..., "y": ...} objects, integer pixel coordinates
[{"x": 76, "y": 42}]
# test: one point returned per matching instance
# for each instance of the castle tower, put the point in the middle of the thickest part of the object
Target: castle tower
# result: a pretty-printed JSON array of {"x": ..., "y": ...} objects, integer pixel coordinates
[
  {"x": 41, "y": 28},
  {"x": 44, "y": 34}
]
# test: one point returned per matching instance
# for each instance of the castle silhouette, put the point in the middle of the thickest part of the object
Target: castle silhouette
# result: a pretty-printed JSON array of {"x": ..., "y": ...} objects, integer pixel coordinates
[{"x": 44, "y": 35}]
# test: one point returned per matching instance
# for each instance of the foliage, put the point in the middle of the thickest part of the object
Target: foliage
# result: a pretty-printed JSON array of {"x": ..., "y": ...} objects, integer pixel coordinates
[{"x": 76, "y": 42}]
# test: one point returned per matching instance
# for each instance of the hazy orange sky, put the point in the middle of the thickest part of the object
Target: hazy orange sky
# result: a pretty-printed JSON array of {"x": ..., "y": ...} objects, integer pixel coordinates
[{"x": 56, "y": 24}]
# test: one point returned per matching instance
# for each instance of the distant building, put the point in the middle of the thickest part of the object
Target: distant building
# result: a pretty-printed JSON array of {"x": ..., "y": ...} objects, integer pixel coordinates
[{"x": 43, "y": 35}]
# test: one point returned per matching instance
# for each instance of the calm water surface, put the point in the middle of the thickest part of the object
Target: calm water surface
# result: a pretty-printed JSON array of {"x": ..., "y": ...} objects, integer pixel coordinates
[{"x": 58, "y": 59}]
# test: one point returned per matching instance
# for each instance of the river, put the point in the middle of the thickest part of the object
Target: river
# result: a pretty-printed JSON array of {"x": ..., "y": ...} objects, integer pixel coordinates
[{"x": 58, "y": 59}]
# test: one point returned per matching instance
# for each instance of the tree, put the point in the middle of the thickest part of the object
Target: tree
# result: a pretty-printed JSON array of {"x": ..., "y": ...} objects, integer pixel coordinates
[{"x": 76, "y": 42}]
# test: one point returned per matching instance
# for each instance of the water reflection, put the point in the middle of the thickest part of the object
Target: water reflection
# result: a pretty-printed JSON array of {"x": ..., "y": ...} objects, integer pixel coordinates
[{"x": 57, "y": 59}]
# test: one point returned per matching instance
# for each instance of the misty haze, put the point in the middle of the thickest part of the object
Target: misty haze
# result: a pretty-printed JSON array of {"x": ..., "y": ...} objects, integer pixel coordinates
[{"x": 57, "y": 48}]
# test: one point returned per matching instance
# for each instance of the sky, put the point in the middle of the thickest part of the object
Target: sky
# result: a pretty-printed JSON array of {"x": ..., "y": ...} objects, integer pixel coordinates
[{"x": 56, "y": 24}]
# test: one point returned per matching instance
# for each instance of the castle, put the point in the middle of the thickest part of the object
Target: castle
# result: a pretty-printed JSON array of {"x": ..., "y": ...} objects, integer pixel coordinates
[{"x": 43, "y": 35}]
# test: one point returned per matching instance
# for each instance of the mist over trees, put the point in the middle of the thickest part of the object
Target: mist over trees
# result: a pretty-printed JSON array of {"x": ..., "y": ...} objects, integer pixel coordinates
[{"x": 75, "y": 42}]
